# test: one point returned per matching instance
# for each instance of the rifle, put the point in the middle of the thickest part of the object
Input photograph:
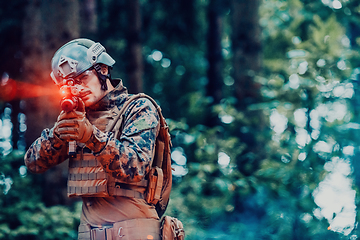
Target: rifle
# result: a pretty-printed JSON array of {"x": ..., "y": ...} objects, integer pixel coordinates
[{"x": 69, "y": 103}]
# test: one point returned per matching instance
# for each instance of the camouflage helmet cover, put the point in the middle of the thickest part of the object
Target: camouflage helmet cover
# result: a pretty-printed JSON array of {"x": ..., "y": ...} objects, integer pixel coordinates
[{"x": 77, "y": 56}]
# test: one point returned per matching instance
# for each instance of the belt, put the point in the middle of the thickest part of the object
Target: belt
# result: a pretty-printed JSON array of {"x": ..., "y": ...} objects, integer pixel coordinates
[{"x": 134, "y": 229}]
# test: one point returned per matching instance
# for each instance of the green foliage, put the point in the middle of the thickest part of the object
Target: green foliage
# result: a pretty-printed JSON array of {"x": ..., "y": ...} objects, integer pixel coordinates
[
  {"x": 23, "y": 215},
  {"x": 307, "y": 56}
]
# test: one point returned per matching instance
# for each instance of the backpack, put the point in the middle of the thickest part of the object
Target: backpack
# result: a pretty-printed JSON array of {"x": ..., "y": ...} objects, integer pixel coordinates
[{"x": 160, "y": 176}]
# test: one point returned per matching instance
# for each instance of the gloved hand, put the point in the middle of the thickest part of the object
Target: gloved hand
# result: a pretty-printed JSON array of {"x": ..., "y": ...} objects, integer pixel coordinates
[{"x": 74, "y": 125}]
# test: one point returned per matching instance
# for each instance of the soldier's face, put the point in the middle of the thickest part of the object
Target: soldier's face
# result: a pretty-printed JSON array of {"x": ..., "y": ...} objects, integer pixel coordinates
[{"x": 90, "y": 87}]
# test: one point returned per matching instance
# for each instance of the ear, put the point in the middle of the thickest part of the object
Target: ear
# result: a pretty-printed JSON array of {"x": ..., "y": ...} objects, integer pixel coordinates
[{"x": 104, "y": 69}]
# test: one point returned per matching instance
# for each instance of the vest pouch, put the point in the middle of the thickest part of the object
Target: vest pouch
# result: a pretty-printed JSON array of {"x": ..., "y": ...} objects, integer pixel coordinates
[
  {"x": 153, "y": 192},
  {"x": 87, "y": 177},
  {"x": 171, "y": 229}
]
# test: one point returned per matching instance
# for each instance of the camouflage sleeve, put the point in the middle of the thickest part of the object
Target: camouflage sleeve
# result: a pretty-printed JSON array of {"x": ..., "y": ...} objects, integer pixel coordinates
[
  {"x": 45, "y": 152},
  {"x": 130, "y": 157}
]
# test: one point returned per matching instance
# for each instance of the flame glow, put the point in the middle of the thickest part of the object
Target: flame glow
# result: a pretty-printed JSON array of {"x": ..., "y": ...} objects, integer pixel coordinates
[{"x": 15, "y": 90}]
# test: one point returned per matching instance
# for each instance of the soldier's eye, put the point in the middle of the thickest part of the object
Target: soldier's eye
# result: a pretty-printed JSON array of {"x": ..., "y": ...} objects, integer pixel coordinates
[{"x": 77, "y": 81}]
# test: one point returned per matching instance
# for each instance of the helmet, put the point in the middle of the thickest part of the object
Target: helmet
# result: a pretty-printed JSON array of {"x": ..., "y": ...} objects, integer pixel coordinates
[{"x": 77, "y": 56}]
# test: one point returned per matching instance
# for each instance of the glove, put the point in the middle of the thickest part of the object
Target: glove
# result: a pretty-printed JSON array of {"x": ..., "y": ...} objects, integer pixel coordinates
[{"x": 74, "y": 125}]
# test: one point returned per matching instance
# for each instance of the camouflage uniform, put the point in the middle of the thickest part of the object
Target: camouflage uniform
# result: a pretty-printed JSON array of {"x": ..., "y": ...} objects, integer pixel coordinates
[{"x": 128, "y": 158}]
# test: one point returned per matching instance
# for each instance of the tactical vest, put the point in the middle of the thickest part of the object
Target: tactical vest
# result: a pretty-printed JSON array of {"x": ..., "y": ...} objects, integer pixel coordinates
[{"x": 87, "y": 177}]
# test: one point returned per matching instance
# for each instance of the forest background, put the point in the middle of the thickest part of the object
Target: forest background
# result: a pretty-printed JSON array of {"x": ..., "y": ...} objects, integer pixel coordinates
[{"x": 262, "y": 99}]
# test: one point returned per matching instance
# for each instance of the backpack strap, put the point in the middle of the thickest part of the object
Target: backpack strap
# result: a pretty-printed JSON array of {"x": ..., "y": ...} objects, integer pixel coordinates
[{"x": 118, "y": 120}]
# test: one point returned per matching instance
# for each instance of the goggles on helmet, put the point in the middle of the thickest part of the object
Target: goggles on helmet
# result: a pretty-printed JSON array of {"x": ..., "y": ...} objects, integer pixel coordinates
[{"x": 82, "y": 79}]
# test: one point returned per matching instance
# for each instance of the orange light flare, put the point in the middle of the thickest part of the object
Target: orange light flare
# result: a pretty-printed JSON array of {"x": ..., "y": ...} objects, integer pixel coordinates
[{"x": 11, "y": 89}]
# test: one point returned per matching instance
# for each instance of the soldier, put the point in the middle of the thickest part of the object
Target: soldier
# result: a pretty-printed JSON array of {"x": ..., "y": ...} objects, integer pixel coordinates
[{"x": 108, "y": 172}]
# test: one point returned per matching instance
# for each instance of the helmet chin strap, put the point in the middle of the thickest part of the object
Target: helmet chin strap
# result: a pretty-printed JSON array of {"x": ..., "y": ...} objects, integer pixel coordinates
[{"x": 102, "y": 77}]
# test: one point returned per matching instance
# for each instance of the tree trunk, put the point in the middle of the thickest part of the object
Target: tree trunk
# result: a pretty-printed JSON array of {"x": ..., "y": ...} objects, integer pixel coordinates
[
  {"x": 134, "y": 59},
  {"x": 246, "y": 49},
  {"x": 43, "y": 34},
  {"x": 246, "y": 63},
  {"x": 215, "y": 58}
]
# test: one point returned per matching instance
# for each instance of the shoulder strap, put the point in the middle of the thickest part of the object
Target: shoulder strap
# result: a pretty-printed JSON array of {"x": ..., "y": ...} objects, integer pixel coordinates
[{"x": 121, "y": 112}]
